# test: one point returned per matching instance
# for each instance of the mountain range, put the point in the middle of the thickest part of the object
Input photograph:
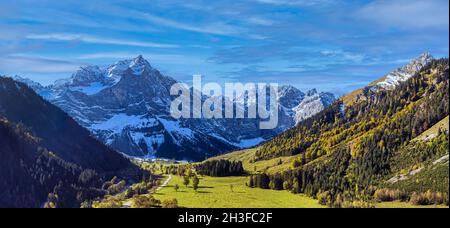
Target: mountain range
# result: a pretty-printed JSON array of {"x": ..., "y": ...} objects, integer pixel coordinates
[
  {"x": 127, "y": 106},
  {"x": 388, "y": 140}
]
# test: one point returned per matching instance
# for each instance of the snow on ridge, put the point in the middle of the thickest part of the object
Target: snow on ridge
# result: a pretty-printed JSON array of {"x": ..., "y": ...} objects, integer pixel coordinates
[
  {"x": 174, "y": 129},
  {"x": 312, "y": 104},
  {"x": 153, "y": 142},
  {"x": 120, "y": 121},
  {"x": 91, "y": 89},
  {"x": 404, "y": 73}
]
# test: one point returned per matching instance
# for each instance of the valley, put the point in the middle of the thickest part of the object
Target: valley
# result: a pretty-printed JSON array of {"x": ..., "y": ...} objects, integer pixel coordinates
[
  {"x": 385, "y": 145},
  {"x": 231, "y": 192},
  {"x": 388, "y": 149}
]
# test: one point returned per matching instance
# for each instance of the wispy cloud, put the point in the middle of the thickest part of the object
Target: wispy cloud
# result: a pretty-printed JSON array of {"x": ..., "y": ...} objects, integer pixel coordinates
[
  {"x": 323, "y": 41},
  {"x": 152, "y": 57},
  {"x": 24, "y": 65},
  {"x": 260, "y": 21},
  {"x": 97, "y": 40},
  {"x": 407, "y": 14},
  {"x": 217, "y": 28}
]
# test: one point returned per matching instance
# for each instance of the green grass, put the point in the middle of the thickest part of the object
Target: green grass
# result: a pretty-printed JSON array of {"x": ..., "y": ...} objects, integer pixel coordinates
[
  {"x": 216, "y": 192},
  {"x": 405, "y": 205},
  {"x": 433, "y": 131}
]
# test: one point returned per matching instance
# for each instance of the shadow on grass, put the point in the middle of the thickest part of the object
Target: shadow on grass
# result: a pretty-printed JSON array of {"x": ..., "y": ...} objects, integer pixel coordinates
[{"x": 205, "y": 187}]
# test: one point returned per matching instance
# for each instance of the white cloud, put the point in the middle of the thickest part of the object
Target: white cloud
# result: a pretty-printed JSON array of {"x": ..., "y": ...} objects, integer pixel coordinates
[
  {"x": 97, "y": 40},
  {"x": 339, "y": 55},
  {"x": 260, "y": 21},
  {"x": 217, "y": 28},
  {"x": 151, "y": 57},
  {"x": 407, "y": 14},
  {"x": 23, "y": 65}
]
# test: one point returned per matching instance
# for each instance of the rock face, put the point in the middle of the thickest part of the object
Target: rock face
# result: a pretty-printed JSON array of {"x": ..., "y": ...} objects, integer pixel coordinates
[
  {"x": 312, "y": 104},
  {"x": 390, "y": 81},
  {"x": 127, "y": 106},
  {"x": 404, "y": 73}
]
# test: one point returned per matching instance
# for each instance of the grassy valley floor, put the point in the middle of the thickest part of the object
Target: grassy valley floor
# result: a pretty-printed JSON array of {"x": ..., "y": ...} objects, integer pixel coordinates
[{"x": 217, "y": 192}]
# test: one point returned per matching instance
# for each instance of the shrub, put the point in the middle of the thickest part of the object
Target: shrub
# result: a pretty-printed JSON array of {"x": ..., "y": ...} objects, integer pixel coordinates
[
  {"x": 296, "y": 163},
  {"x": 144, "y": 201},
  {"x": 117, "y": 188},
  {"x": 429, "y": 198},
  {"x": 388, "y": 195},
  {"x": 287, "y": 185},
  {"x": 357, "y": 204},
  {"x": 108, "y": 202},
  {"x": 324, "y": 198},
  {"x": 141, "y": 188},
  {"x": 418, "y": 199},
  {"x": 195, "y": 183},
  {"x": 173, "y": 203}
]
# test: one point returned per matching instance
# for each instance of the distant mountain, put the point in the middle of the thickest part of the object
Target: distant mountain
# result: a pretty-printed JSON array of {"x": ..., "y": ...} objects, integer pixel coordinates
[
  {"x": 312, "y": 104},
  {"x": 41, "y": 148},
  {"x": 404, "y": 73},
  {"x": 127, "y": 106},
  {"x": 391, "y": 80}
]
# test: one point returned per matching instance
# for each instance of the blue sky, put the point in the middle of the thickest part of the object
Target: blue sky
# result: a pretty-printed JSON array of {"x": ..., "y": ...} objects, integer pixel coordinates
[{"x": 334, "y": 46}]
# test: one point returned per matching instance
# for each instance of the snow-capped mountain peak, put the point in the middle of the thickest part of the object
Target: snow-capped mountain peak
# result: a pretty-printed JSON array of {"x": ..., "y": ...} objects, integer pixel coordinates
[
  {"x": 313, "y": 103},
  {"x": 87, "y": 74},
  {"x": 137, "y": 65},
  {"x": 92, "y": 79},
  {"x": 311, "y": 92},
  {"x": 289, "y": 96},
  {"x": 404, "y": 73},
  {"x": 32, "y": 84},
  {"x": 127, "y": 106}
]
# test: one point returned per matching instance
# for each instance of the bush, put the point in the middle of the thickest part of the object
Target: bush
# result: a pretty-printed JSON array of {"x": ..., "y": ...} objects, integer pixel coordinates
[
  {"x": 144, "y": 201},
  {"x": 296, "y": 163},
  {"x": 324, "y": 198},
  {"x": 108, "y": 202},
  {"x": 287, "y": 185},
  {"x": 357, "y": 204},
  {"x": 429, "y": 198},
  {"x": 388, "y": 195},
  {"x": 117, "y": 188},
  {"x": 195, "y": 183},
  {"x": 141, "y": 188},
  {"x": 173, "y": 203},
  {"x": 418, "y": 199}
]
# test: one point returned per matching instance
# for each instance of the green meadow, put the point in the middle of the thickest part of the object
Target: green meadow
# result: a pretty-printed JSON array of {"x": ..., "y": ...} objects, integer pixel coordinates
[{"x": 231, "y": 192}]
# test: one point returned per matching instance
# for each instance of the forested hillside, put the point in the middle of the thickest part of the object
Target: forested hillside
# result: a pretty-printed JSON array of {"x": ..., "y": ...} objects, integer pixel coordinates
[
  {"x": 344, "y": 153},
  {"x": 29, "y": 172},
  {"x": 46, "y": 157}
]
